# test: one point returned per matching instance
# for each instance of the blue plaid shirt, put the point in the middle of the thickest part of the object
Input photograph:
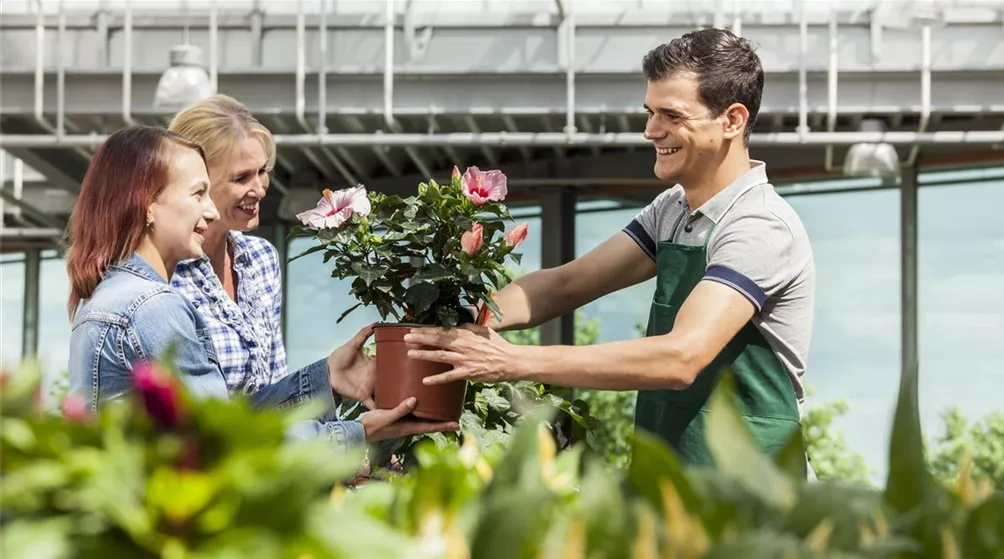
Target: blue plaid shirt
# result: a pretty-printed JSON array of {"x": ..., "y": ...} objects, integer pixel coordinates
[{"x": 247, "y": 334}]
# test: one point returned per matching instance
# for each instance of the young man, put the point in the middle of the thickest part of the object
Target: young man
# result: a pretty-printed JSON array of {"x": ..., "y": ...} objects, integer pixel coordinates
[{"x": 734, "y": 269}]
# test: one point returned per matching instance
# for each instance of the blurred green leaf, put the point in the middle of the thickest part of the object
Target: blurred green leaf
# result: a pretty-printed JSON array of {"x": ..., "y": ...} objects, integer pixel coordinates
[{"x": 737, "y": 454}]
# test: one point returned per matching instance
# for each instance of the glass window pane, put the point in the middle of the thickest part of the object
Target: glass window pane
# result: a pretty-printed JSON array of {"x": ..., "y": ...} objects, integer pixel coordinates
[
  {"x": 961, "y": 322},
  {"x": 11, "y": 310}
]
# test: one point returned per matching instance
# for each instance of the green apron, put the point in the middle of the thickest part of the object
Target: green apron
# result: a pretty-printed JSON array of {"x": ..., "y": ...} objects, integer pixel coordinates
[{"x": 766, "y": 397}]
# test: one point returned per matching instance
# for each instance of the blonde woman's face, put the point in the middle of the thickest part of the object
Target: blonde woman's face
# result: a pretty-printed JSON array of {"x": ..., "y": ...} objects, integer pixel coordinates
[{"x": 238, "y": 191}]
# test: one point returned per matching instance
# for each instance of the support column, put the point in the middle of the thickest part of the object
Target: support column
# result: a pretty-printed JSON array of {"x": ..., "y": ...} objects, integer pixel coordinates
[
  {"x": 29, "y": 324},
  {"x": 558, "y": 247},
  {"x": 908, "y": 269},
  {"x": 279, "y": 232}
]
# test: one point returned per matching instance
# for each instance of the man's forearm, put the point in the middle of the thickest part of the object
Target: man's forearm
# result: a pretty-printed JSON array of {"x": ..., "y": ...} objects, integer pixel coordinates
[
  {"x": 532, "y": 300},
  {"x": 649, "y": 363}
]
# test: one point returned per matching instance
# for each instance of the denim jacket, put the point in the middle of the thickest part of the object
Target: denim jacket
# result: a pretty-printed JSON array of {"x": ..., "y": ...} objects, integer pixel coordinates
[{"x": 134, "y": 314}]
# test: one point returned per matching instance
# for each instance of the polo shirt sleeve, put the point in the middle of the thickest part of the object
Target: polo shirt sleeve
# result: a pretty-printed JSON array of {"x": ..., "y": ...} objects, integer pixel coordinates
[
  {"x": 644, "y": 228},
  {"x": 752, "y": 254}
]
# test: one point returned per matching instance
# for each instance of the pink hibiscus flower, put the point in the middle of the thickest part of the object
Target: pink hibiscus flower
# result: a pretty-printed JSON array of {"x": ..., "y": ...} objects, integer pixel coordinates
[
  {"x": 483, "y": 186},
  {"x": 335, "y": 208}
]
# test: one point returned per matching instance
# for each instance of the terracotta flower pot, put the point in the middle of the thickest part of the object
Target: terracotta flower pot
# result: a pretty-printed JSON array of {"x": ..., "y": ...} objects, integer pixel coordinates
[{"x": 400, "y": 377}]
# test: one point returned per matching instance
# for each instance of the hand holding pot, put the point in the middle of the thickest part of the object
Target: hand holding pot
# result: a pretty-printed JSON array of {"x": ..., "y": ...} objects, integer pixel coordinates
[
  {"x": 388, "y": 424},
  {"x": 477, "y": 353},
  {"x": 351, "y": 372}
]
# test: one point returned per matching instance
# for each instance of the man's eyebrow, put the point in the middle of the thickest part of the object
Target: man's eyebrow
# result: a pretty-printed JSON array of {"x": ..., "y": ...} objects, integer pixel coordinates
[{"x": 672, "y": 113}]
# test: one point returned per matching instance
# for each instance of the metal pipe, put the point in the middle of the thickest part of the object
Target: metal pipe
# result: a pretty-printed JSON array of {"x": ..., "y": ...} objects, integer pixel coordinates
[
  {"x": 803, "y": 87},
  {"x": 301, "y": 70},
  {"x": 548, "y": 139},
  {"x": 32, "y": 233},
  {"x": 925, "y": 90},
  {"x": 214, "y": 28},
  {"x": 570, "y": 72},
  {"x": 29, "y": 324},
  {"x": 388, "y": 66},
  {"x": 28, "y": 210},
  {"x": 61, "y": 72},
  {"x": 127, "y": 67},
  {"x": 831, "y": 82},
  {"x": 40, "y": 68},
  {"x": 322, "y": 72},
  {"x": 18, "y": 190},
  {"x": 301, "y": 90}
]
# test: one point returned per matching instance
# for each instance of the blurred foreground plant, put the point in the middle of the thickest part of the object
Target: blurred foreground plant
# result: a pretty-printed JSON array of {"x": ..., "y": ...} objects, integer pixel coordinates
[{"x": 222, "y": 482}]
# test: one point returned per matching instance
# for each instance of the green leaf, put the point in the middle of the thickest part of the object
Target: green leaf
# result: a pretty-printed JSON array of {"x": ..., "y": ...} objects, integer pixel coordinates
[
  {"x": 368, "y": 273},
  {"x": 792, "y": 458},
  {"x": 346, "y": 312},
  {"x": 909, "y": 479},
  {"x": 651, "y": 461},
  {"x": 38, "y": 539},
  {"x": 448, "y": 317},
  {"x": 494, "y": 400},
  {"x": 311, "y": 250},
  {"x": 494, "y": 308},
  {"x": 421, "y": 296},
  {"x": 433, "y": 272},
  {"x": 737, "y": 454}
]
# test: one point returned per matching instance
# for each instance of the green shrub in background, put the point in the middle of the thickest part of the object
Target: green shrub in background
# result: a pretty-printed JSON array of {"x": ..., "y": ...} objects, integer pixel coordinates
[{"x": 162, "y": 476}]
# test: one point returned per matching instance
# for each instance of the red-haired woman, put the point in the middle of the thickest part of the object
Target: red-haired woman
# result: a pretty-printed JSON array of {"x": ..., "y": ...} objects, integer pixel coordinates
[{"x": 144, "y": 206}]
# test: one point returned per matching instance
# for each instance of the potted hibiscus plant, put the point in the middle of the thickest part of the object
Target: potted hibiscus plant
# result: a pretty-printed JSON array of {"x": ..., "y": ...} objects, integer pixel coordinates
[{"x": 422, "y": 260}]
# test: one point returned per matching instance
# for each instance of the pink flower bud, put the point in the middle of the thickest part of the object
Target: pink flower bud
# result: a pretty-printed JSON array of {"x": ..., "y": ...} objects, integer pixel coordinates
[
  {"x": 159, "y": 393},
  {"x": 74, "y": 407},
  {"x": 471, "y": 241},
  {"x": 456, "y": 173},
  {"x": 515, "y": 236}
]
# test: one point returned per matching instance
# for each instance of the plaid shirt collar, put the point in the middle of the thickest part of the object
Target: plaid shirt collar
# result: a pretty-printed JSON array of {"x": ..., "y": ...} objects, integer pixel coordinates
[{"x": 247, "y": 333}]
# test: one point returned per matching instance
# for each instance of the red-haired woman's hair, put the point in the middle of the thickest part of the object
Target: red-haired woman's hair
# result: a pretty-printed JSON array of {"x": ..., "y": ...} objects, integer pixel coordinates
[{"x": 109, "y": 220}]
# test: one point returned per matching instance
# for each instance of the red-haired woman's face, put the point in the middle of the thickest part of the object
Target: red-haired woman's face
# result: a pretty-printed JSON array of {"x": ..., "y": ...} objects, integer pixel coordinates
[
  {"x": 238, "y": 191},
  {"x": 183, "y": 210}
]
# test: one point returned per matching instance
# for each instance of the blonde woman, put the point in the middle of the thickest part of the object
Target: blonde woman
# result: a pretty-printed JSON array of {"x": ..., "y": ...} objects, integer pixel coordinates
[{"x": 237, "y": 286}]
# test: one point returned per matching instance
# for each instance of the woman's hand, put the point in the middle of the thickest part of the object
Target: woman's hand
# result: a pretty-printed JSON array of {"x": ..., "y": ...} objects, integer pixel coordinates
[
  {"x": 351, "y": 372},
  {"x": 388, "y": 424}
]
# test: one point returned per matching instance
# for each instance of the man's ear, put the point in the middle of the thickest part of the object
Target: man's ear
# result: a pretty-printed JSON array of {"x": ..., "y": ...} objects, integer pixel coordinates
[{"x": 737, "y": 118}]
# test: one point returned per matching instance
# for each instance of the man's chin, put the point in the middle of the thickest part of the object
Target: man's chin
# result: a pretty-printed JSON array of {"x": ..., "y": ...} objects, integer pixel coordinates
[{"x": 665, "y": 174}]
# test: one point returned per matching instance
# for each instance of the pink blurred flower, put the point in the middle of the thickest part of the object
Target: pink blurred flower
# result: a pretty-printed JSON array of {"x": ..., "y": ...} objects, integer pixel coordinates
[
  {"x": 160, "y": 394},
  {"x": 471, "y": 241},
  {"x": 483, "y": 186},
  {"x": 335, "y": 208},
  {"x": 515, "y": 236},
  {"x": 74, "y": 407}
]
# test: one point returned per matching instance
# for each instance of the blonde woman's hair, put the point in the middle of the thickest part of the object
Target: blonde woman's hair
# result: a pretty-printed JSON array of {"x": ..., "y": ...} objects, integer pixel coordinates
[{"x": 219, "y": 124}]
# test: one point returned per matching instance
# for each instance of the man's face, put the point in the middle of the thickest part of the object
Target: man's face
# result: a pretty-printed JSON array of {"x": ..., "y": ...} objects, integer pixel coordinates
[{"x": 687, "y": 139}]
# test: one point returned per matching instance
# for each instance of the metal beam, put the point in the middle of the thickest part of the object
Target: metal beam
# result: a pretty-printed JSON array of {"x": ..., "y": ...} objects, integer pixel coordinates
[
  {"x": 946, "y": 137},
  {"x": 471, "y": 43},
  {"x": 53, "y": 169},
  {"x": 272, "y": 92},
  {"x": 558, "y": 233}
]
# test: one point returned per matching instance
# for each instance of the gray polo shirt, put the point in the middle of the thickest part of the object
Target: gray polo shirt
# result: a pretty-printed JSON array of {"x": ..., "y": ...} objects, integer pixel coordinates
[{"x": 758, "y": 247}]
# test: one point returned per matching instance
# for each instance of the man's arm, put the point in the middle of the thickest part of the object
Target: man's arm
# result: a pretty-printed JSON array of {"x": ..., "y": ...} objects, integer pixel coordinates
[
  {"x": 710, "y": 317},
  {"x": 538, "y": 297}
]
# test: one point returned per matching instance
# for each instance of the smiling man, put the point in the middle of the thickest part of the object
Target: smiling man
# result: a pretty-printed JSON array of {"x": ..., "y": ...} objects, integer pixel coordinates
[{"x": 733, "y": 266}]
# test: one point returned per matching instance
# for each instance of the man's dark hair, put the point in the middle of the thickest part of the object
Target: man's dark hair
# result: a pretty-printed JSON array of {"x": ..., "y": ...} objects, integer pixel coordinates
[{"x": 727, "y": 67}]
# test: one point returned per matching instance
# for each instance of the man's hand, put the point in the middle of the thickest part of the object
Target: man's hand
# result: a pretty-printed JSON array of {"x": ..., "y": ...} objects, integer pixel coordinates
[
  {"x": 351, "y": 372},
  {"x": 387, "y": 424},
  {"x": 477, "y": 353}
]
